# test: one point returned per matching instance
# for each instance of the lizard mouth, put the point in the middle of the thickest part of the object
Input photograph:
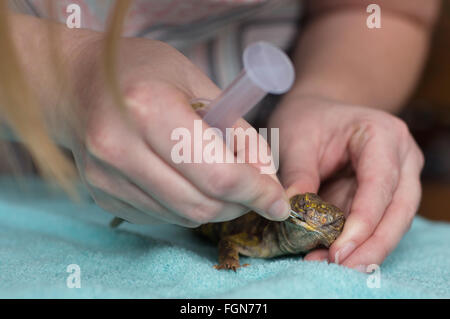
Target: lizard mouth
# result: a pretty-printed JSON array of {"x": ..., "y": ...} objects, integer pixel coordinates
[
  {"x": 295, "y": 215},
  {"x": 299, "y": 219}
]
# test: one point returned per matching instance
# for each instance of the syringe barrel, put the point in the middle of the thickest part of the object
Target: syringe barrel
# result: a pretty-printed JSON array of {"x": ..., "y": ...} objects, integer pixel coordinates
[
  {"x": 267, "y": 69},
  {"x": 232, "y": 104}
]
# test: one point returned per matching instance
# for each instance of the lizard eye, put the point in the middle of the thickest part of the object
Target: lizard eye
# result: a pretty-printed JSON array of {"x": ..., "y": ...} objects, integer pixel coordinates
[{"x": 326, "y": 219}]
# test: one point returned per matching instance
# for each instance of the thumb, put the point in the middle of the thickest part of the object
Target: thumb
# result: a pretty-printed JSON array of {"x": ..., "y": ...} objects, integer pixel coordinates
[
  {"x": 246, "y": 150},
  {"x": 300, "y": 173}
]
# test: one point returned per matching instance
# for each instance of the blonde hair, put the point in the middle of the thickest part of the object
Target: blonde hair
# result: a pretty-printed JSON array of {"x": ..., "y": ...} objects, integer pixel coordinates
[{"x": 19, "y": 106}]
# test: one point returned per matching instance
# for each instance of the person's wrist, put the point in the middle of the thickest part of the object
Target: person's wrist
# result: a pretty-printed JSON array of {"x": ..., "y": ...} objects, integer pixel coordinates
[
  {"x": 299, "y": 94},
  {"x": 79, "y": 58},
  {"x": 82, "y": 54},
  {"x": 297, "y": 101}
]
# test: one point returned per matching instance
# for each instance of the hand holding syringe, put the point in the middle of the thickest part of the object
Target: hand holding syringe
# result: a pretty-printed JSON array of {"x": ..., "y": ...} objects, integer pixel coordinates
[
  {"x": 185, "y": 191},
  {"x": 266, "y": 70}
]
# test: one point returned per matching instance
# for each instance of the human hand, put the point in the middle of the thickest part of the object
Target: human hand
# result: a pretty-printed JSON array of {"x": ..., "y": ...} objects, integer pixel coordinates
[
  {"x": 125, "y": 157},
  {"x": 370, "y": 166}
]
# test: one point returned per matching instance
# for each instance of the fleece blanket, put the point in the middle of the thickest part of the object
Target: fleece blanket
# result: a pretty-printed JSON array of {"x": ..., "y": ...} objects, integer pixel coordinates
[{"x": 51, "y": 247}]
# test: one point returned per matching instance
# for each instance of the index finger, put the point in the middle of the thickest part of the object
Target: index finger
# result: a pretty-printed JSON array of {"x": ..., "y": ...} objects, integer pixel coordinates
[
  {"x": 395, "y": 222},
  {"x": 377, "y": 167}
]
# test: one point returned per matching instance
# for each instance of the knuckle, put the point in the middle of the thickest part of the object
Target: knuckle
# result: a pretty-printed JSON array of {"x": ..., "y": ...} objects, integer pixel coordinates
[
  {"x": 139, "y": 92},
  {"x": 365, "y": 130},
  {"x": 201, "y": 214},
  {"x": 371, "y": 127},
  {"x": 387, "y": 122},
  {"x": 366, "y": 224},
  {"x": 149, "y": 102},
  {"x": 142, "y": 110},
  {"x": 222, "y": 182},
  {"x": 272, "y": 191},
  {"x": 146, "y": 92},
  {"x": 400, "y": 126},
  {"x": 102, "y": 145}
]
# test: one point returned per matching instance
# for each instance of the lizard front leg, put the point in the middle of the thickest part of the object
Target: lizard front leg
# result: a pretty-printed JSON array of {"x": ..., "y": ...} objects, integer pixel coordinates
[{"x": 231, "y": 246}]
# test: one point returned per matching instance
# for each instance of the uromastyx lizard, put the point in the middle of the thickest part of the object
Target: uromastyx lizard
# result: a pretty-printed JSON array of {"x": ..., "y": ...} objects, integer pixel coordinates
[{"x": 313, "y": 223}]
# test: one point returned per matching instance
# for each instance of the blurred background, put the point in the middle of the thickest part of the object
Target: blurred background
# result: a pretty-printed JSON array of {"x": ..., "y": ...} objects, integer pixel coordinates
[{"x": 428, "y": 116}]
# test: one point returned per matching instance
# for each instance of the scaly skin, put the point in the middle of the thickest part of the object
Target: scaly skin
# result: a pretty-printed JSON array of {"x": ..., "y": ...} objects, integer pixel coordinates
[{"x": 318, "y": 225}]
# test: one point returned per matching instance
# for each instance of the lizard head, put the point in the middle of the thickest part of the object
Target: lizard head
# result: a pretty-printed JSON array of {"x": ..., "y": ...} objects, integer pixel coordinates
[{"x": 313, "y": 221}]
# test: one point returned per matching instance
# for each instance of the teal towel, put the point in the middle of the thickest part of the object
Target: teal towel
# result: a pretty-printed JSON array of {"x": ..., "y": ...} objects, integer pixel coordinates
[{"x": 42, "y": 233}]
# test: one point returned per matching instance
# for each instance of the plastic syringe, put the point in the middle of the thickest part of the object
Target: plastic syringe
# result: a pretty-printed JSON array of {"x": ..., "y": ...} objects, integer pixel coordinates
[{"x": 267, "y": 69}]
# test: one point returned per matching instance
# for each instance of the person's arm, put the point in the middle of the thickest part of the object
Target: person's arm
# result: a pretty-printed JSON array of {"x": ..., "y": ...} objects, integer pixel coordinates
[
  {"x": 337, "y": 116},
  {"x": 36, "y": 51},
  {"x": 339, "y": 57}
]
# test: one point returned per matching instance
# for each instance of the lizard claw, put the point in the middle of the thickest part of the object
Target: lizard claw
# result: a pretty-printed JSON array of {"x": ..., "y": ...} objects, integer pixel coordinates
[
  {"x": 230, "y": 265},
  {"x": 227, "y": 267}
]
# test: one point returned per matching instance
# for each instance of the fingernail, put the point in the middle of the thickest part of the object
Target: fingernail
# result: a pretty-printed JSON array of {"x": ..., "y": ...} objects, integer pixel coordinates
[
  {"x": 343, "y": 253},
  {"x": 361, "y": 268},
  {"x": 279, "y": 209}
]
